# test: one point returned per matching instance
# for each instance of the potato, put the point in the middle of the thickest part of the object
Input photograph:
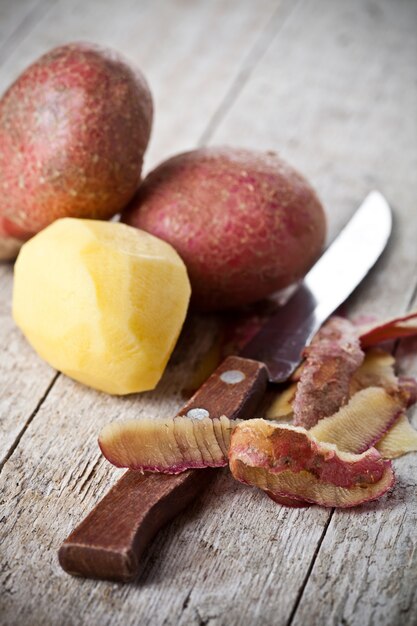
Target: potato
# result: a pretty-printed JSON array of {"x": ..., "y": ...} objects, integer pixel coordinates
[
  {"x": 102, "y": 302},
  {"x": 245, "y": 223},
  {"x": 73, "y": 131}
]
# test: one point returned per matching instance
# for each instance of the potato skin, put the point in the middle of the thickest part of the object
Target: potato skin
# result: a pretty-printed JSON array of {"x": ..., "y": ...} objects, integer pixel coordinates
[
  {"x": 245, "y": 223},
  {"x": 73, "y": 130}
]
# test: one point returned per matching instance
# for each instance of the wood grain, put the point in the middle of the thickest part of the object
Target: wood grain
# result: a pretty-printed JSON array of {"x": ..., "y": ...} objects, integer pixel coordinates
[
  {"x": 191, "y": 53},
  {"x": 366, "y": 568},
  {"x": 17, "y": 19},
  {"x": 110, "y": 542},
  {"x": 25, "y": 379},
  {"x": 335, "y": 95},
  {"x": 331, "y": 85}
]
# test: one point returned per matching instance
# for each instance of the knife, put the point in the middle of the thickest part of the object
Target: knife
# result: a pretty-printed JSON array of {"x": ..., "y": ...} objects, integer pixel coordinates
[{"x": 110, "y": 541}]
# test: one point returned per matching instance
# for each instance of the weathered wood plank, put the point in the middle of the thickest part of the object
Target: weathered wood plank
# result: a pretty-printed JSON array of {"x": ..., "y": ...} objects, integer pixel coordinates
[
  {"x": 366, "y": 569},
  {"x": 235, "y": 557},
  {"x": 17, "y": 20},
  {"x": 365, "y": 572},
  {"x": 24, "y": 378},
  {"x": 190, "y": 52},
  {"x": 342, "y": 115},
  {"x": 208, "y": 550}
]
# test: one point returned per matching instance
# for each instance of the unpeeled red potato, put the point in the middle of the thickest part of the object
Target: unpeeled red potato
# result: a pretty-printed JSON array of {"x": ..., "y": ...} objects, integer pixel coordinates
[
  {"x": 102, "y": 302},
  {"x": 245, "y": 223},
  {"x": 73, "y": 131}
]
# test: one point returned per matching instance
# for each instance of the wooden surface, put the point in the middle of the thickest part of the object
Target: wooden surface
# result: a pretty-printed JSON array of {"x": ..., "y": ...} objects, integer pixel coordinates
[
  {"x": 110, "y": 542},
  {"x": 332, "y": 86}
]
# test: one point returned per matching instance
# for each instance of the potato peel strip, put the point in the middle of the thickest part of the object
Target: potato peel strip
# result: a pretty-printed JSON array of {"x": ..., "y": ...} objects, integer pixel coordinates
[
  {"x": 288, "y": 461},
  {"x": 331, "y": 361}
]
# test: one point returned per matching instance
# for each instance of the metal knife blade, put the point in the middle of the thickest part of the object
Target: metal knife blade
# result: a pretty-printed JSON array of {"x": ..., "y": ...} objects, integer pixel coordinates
[{"x": 281, "y": 341}]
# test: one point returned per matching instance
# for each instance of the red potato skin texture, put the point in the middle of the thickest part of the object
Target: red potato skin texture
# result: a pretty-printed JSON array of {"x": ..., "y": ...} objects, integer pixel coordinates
[
  {"x": 73, "y": 130},
  {"x": 172, "y": 469},
  {"x": 245, "y": 223},
  {"x": 295, "y": 451}
]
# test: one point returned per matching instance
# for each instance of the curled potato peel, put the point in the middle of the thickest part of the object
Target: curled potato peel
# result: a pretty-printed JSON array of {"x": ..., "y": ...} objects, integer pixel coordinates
[{"x": 288, "y": 461}]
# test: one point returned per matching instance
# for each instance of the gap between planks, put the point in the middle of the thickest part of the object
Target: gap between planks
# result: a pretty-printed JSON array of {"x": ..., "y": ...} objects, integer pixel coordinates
[
  {"x": 283, "y": 11},
  {"x": 309, "y": 570},
  {"x": 332, "y": 512}
]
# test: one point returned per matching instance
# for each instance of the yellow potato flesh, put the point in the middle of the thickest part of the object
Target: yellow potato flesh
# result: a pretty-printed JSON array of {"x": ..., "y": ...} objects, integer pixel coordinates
[{"x": 102, "y": 302}]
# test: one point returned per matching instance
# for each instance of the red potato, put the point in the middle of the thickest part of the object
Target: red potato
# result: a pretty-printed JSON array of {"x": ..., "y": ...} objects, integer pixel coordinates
[
  {"x": 245, "y": 223},
  {"x": 73, "y": 130}
]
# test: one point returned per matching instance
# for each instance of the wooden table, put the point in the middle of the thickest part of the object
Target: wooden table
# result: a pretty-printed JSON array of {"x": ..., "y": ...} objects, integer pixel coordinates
[{"x": 332, "y": 86}]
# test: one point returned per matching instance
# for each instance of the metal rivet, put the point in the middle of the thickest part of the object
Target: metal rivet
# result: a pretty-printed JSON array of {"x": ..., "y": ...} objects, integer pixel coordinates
[
  {"x": 198, "y": 414},
  {"x": 232, "y": 377}
]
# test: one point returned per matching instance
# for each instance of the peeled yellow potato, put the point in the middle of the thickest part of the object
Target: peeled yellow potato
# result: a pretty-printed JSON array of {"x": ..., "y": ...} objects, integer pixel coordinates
[{"x": 102, "y": 302}]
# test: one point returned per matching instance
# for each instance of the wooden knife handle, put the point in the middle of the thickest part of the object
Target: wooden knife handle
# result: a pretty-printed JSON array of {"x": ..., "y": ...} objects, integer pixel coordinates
[{"x": 110, "y": 541}]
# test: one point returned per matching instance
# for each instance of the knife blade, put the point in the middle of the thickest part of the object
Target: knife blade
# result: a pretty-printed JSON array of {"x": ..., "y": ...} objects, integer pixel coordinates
[
  {"x": 110, "y": 541},
  {"x": 281, "y": 341}
]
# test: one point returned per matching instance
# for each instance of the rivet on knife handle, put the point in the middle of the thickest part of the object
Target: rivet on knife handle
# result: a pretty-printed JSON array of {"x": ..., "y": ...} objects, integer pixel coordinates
[{"x": 109, "y": 543}]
